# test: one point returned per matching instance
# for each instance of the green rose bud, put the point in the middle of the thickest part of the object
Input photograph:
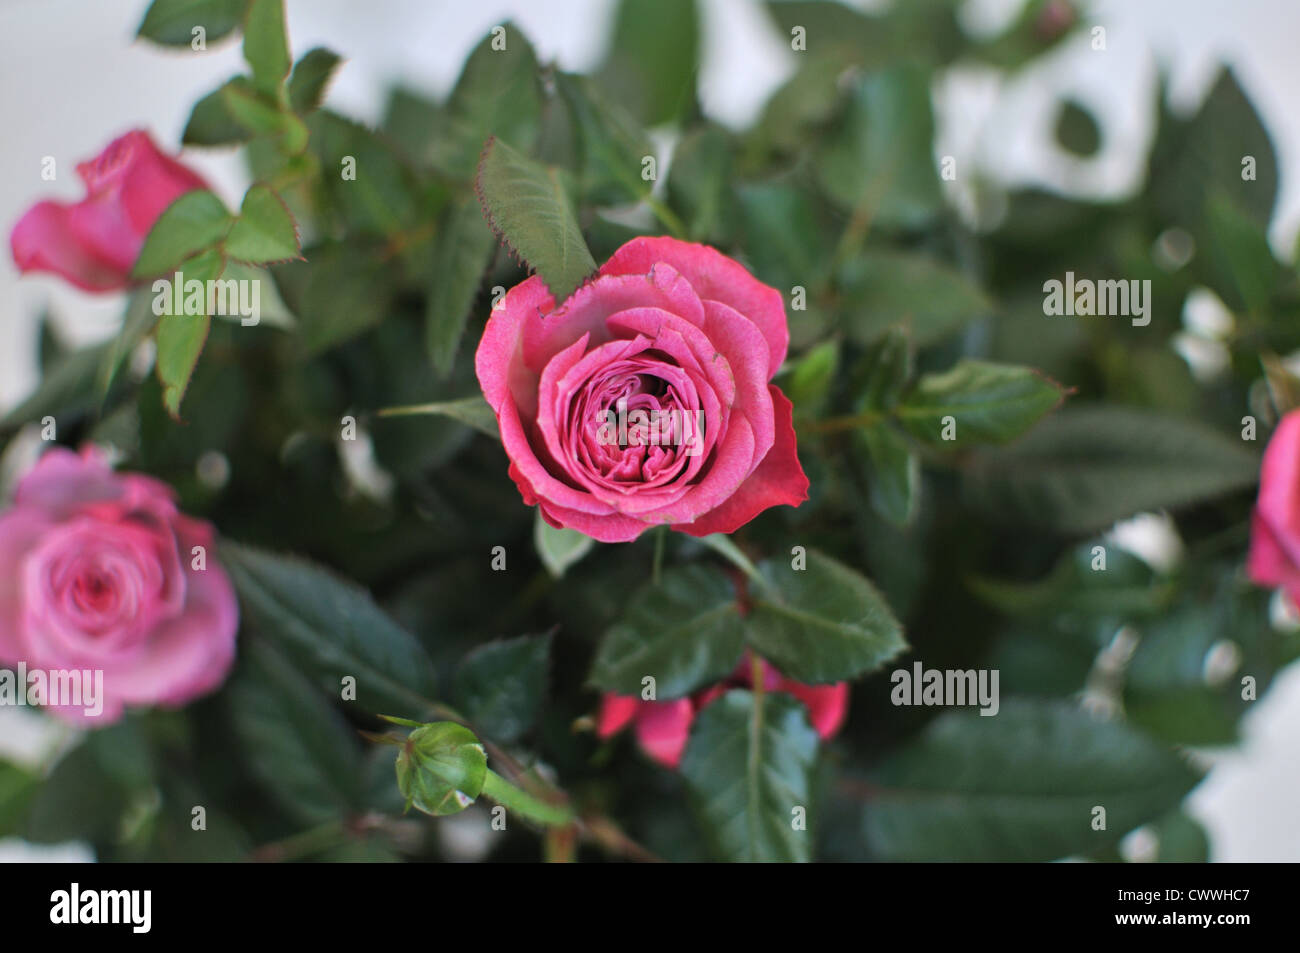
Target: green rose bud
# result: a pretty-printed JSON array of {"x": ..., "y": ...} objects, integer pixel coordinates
[{"x": 441, "y": 768}]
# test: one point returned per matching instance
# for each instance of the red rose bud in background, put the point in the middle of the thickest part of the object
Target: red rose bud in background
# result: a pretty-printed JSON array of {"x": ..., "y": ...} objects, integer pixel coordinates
[
  {"x": 93, "y": 243},
  {"x": 100, "y": 572},
  {"x": 676, "y": 332},
  {"x": 1274, "y": 558},
  {"x": 663, "y": 728}
]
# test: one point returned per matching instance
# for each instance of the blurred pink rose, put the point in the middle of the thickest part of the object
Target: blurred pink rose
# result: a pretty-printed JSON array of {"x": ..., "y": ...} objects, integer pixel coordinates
[
  {"x": 94, "y": 243},
  {"x": 663, "y": 728},
  {"x": 1274, "y": 558},
  {"x": 674, "y": 331},
  {"x": 97, "y": 572}
]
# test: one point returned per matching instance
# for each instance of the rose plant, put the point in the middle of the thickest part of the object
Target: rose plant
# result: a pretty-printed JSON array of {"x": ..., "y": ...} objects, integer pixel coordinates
[{"x": 622, "y": 481}]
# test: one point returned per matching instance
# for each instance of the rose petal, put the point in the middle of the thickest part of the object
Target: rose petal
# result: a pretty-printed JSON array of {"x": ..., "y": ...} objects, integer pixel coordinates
[
  {"x": 713, "y": 276},
  {"x": 663, "y": 728},
  {"x": 778, "y": 481}
]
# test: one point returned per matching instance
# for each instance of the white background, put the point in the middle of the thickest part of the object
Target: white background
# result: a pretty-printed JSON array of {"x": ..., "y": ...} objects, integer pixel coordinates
[{"x": 73, "y": 79}]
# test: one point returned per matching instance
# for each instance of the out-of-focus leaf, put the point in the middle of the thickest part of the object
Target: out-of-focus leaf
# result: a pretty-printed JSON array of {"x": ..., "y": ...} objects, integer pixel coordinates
[
  {"x": 698, "y": 181},
  {"x": 311, "y": 76},
  {"x": 265, "y": 231},
  {"x": 990, "y": 403},
  {"x": 464, "y": 248},
  {"x": 331, "y": 629},
  {"x": 194, "y": 222},
  {"x": 1077, "y": 130},
  {"x": 500, "y": 686},
  {"x": 1020, "y": 786},
  {"x": 297, "y": 746},
  {"x": 881, "y": 290},
  {"x": 181, "y": 336},
  {"x": 613, "y": 148},
  {"x": 172, "y": 22},
  {"x": 266, "y": 45},
  {"x": 653, "y": 58},
  {"x": 893, "y": 472},
  {"x": 362, "y": 176},
  {"x": 879, "y": 158},
  {"x": 1086, "y": 467},
  {"x": 498, "y": 94}
]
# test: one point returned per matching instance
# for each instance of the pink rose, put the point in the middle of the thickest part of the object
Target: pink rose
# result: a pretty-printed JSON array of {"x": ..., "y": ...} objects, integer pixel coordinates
[
  {"x": 94, "y": 243},
  {"x": 97, "y": 572},
  {"x": 663, "y": 728},
  {"x": 1274, "y": 558},
  {"x": 644, "y": 398}
]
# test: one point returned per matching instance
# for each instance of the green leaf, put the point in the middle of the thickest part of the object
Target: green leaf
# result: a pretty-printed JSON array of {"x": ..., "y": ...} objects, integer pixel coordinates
[
  {"x": 362, "y": 176},
  {"x": 1180, "y": 839},
  {"x": 883, "y": 371},
  {"x": 16, "y": 789},
  {"x": 311, "y": 75},
  {"x": 559, "y": 549},
  {"x": 194, "y": 222},
  {"x": 180, "y": 337},
  {"x": 684, "y": 632},
  {"x": 1240, "y": 256},
  {"x": 880, "y": 289},
  {"x": 500, "y": 686},
  {"x": 470, "y": 411},
  {"x": 529, "y": 210},
  {"x": 699, "y": 180},
  {"x": 331, "y": 628},
  {"x": 1206, "y": 154},
  {"x": 298, "y": 747},
  {"x": 612, "y": 145},
  {"x": 265, "y": 231},
  {"x": 211, "y": 122},
  {"x": 1127, "y": 586},
  {"x": 880, "y": 157},
  {"x": 809, "y": 386},
  {"x": 68, "y": 390},
  {"x": 349, "y": 290},
  {"x": 786, "y": 243},
  {"x": 462, "y": 253},
  {"x": 820, "y": 623},
  {"x": 1021, "y": 786},
  {"x": 172, "y": 22},
  {"x": 749, "y": 767},
  {"x": 441, "y": 769},
  {"x": 266, "y": 45},
  {"x": 653, "y": 58},
  {"x": 60, "y": 811},
  {"x": 1087, "y": 467},
  {"x": 990, "y": 403},
  {"x": 893, "y": 472},
  {"x": 498, "y": 94},
  {"x": 257, "y": 113}
]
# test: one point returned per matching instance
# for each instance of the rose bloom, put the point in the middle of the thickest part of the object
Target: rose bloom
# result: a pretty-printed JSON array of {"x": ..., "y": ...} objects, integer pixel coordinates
[
  {"x": 93, "y": 243},
  {"x": 96, "y": 572},
  {"x": 663, "y": 728},
  {"x": 1274, "y": 558},
  {"x": 675, "y": 333}
]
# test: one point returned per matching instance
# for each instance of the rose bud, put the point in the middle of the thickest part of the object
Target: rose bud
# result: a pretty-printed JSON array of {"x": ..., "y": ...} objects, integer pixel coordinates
[
  {"x": 1274, "y": 558},
  {"x": 93, "y": 243}
]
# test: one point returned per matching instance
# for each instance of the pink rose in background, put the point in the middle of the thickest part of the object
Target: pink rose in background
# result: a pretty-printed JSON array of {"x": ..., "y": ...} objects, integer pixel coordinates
[
  {"x": 676, "y": 332},
  {"x": 97, "y": 573},
  {"x": 663, "y": 728},
  {"x": 94, "y": 243},
  {"x": 1274, "y": 558}
]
